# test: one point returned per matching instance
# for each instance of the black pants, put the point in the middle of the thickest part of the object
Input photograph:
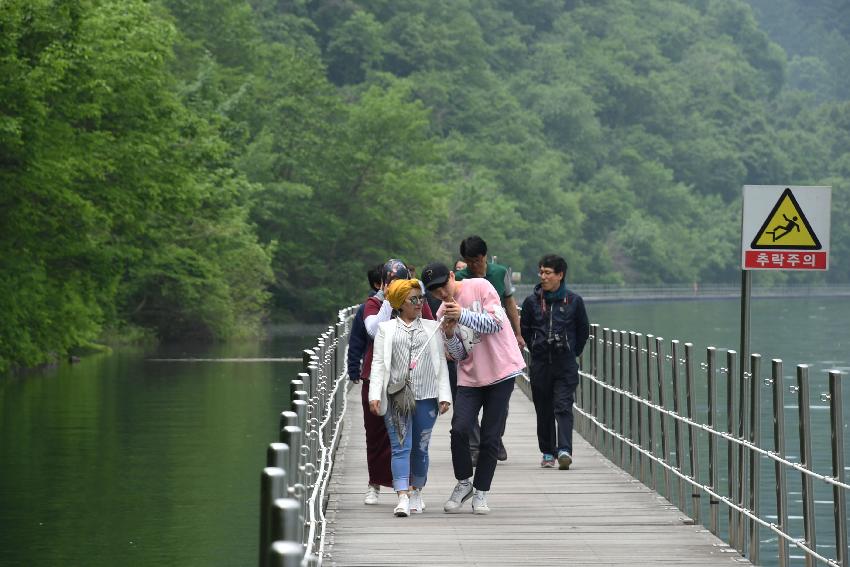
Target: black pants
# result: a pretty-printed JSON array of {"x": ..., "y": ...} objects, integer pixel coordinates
[
  {"x": 475, "y": 434},
  {"x": 553, "y": 387},
  {"x": 468, "y": 402}
]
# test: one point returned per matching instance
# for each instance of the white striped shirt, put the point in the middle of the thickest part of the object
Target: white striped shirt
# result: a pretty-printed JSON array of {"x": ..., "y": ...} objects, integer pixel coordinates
[{"x": 408, "y": 341}]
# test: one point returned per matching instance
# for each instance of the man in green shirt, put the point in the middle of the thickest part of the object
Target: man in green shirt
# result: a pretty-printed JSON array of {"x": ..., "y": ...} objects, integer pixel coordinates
[{"x": 473, "y": 250}]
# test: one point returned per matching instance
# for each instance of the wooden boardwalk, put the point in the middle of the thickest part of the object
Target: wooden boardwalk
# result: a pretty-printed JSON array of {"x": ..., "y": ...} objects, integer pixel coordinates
[{"x": 593, "y": 514}]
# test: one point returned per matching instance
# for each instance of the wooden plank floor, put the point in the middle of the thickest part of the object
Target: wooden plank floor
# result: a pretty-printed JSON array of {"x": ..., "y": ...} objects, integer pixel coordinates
[{"x": 593, "y": 514}]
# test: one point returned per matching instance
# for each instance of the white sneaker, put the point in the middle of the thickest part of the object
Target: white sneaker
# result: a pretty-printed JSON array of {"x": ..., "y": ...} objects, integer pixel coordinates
[
  {"x": 372, "y": 495},
  {"x": 402, "y": 510},
  {"x": 479, "y": 503},
  {"x": 417, "y": 505},
  {"x": 461, "y": 493}
]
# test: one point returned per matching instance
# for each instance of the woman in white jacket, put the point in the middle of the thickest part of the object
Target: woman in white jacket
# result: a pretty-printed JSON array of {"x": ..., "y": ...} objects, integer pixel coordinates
[{"x": 409, "y": 385}]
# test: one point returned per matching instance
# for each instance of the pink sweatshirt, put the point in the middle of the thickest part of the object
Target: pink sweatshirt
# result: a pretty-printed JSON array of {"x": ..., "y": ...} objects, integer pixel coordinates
[{"x": 495, "y": 356}]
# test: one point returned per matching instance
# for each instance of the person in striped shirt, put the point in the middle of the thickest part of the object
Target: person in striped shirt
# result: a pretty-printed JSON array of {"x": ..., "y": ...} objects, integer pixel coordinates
[{"x": 479, "y": 336}]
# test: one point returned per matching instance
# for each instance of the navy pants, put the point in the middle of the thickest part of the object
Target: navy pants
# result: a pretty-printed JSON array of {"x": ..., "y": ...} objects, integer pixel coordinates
[
  {"x": 475, "y": 434},
  {"x": 468, "y": 403},
  {"x": 553, "y": 387}
]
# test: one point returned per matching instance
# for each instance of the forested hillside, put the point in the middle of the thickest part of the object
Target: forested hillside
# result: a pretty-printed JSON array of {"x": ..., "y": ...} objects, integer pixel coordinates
[{"x": 187, "y": 167}]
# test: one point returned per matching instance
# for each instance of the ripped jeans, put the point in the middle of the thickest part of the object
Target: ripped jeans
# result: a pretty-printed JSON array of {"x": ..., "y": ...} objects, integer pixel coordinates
[{"x": 410, "y": 459}]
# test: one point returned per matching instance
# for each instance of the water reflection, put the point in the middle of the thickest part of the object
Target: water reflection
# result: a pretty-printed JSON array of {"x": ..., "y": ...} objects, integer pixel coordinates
[{"x": 118, "y": 460}]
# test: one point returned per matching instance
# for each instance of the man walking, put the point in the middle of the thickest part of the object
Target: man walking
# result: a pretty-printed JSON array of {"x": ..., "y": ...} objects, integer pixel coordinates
[
  {"x": 555, "y": 327},
  {"x": 473, "y": 250},
  {"x": 479, "y": 336}
]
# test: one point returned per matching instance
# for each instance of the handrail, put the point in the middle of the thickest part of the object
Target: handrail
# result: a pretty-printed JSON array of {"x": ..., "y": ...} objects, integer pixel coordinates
[
  {"x": 634, "y": 381},
  {"x": 608, "y": 292},
  {"x": 294, "y": 484},
  {"x": 293, "y": 495}
]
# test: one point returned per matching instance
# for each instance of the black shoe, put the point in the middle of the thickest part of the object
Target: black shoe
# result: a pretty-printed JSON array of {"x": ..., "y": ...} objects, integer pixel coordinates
[{"x": 503, "y": 453}]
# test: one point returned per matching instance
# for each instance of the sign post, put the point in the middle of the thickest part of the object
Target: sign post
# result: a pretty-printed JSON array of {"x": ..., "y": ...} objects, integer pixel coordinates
[{"x": 782, "y": 228}]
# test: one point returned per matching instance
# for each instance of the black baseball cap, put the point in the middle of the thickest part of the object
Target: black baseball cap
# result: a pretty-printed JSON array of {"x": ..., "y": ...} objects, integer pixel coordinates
[{"x": 435, "y": 275}]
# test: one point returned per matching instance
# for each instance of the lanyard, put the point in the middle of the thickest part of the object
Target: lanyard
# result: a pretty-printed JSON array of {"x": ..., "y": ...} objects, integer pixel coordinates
[{"x": 414, "y": 360}]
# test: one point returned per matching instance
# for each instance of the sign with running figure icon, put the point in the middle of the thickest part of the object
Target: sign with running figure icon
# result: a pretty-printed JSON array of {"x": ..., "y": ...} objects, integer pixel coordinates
[{"x": 785, "y": 228}]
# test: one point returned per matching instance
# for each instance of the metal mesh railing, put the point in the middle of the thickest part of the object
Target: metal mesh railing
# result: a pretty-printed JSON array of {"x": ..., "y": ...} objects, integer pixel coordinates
[{"x": 294, "y": 483}]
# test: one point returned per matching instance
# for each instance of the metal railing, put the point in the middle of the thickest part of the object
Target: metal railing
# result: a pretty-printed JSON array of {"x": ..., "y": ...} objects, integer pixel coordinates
[
  {"x": 613, "y": 292},
  {"x": 637, "y": 405},
  {"x": 298, "y": 467}
]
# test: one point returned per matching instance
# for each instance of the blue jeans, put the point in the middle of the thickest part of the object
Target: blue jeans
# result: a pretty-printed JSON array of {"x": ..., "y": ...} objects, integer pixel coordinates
[{"x": 410, "y": 460}]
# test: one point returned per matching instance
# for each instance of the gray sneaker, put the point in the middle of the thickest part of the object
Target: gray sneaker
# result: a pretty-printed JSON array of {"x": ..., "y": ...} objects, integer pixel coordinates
[
  {"x": 372, "y": 494},
  {"x": 461, "y": 493},
  {"x": 479, "y": 503},
  {"x": 564, "y": 460},
  {"x": 417, "y": 504}
]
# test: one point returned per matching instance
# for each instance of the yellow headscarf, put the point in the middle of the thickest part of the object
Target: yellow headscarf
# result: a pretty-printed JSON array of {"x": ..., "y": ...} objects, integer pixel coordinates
[{"x": 398, "y": 290}]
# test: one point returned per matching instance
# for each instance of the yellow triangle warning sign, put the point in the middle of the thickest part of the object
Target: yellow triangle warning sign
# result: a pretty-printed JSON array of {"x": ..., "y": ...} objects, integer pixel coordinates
[{"x": 786, "y": 227}]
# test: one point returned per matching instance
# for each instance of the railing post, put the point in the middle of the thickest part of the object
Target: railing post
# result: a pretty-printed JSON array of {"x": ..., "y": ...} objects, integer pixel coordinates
[
  {"x": 839, "y": 497},
  {"x": 607, "y": 357},
  {"x": 285, "y": 554},
  {"x": 731, "y": 370},
  {"x": 693, "y": 437},
  {"x": 272, "y": 486},
  {"x": 594, "y": 391},
  {"x": 711, "y": 378},
  {"x": 650, "y": 415},
  {"x": 665, "y": 451},
  {"x": 314, "y": 413},
  {"x": 292, "y": 436},
  {"x": 779, "y": 468},
  {"x": 621, "y": 379},
  {"x": 806, "y": 460},
  {"x": 637, "y": 362},
  {"x": 297, "y": 385},
  {"x": 285, "y": 512},
  {"x": 743, "y": 464},
  {"x": 634, "y": 431},
  {"x": 677, "y": 424},
  {"x": 277, "y": 455},
  {"x": 306, "y": 356},
  {"x": 755, "y": 462}
]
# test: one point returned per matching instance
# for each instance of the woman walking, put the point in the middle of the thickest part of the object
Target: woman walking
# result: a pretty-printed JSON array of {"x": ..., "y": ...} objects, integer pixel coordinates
[{"x": 409, "y": 384}]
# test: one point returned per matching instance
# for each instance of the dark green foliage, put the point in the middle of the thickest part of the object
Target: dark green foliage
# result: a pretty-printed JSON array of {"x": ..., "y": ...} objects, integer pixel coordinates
[
  {"x": 181, "y": 165},
  {"x": 117, "y": 202}
]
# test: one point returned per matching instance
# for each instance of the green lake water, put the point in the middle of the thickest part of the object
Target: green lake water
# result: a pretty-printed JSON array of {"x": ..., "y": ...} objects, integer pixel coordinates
[{"x": 118, "y": 460}]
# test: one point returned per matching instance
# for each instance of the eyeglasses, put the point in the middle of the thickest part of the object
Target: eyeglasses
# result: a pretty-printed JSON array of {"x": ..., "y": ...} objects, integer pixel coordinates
[
  {"x": 416, "y": 299},
  {"x": 547, "y": 272}
]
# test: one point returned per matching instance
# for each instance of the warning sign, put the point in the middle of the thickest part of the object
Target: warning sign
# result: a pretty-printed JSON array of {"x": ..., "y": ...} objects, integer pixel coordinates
[{"x": 785, "y": 228}]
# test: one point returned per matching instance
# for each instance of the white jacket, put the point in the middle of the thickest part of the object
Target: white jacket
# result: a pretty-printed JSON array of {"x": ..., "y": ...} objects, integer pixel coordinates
[{"x": 382, "y": 358}]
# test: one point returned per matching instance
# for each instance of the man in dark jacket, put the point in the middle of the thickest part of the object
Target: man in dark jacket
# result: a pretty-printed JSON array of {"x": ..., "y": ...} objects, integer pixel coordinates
[{"x": 555, "y": 327}]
